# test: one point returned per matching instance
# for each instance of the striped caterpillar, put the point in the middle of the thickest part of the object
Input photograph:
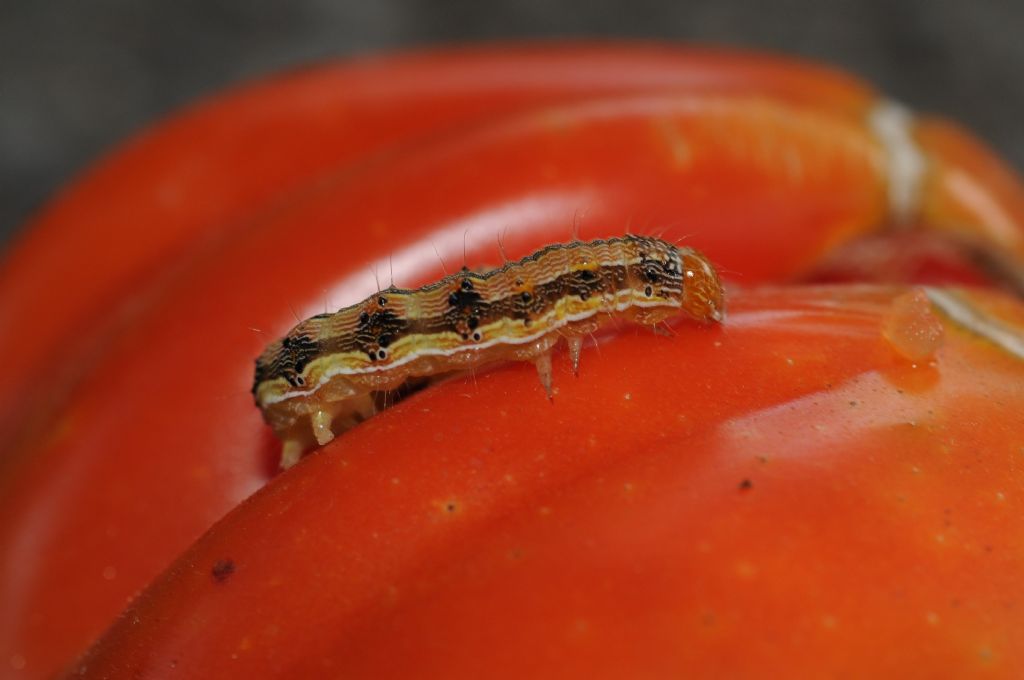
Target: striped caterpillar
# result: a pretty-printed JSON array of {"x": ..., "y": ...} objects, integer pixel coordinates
[{"x": 325, "y": 372}]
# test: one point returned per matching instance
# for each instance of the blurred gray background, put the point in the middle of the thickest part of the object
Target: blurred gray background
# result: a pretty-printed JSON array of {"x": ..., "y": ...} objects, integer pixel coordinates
[{"x": 77, "y": 76}]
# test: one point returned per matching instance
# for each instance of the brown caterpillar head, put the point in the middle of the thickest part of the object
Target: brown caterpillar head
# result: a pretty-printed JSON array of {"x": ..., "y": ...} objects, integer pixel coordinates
[{"x": 702, "y": 291}]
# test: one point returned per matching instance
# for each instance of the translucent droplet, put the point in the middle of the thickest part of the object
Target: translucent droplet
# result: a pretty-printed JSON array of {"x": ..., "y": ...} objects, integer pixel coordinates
[{"x": 912, "y": 327}]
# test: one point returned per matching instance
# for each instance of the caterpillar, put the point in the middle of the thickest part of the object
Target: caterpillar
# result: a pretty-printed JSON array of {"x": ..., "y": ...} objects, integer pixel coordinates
[{"x": 324, "y": 374}]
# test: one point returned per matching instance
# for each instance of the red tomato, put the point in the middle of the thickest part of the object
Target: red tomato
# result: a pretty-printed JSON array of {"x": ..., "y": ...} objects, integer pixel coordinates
[
  {"x": 788, "y": 491},
  {"x": 785, "y": 492}
]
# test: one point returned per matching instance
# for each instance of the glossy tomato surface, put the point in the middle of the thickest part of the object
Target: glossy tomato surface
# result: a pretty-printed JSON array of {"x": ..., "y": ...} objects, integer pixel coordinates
[{"x": 826, "y": 483}]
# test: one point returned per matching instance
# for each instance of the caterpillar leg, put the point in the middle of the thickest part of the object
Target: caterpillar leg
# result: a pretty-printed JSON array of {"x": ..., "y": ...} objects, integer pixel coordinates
[
  {"x": 291, "y": 452},
  {"x": 575, "y": 345},
  {"x": 321, "y": 422},
  {"x": 663, "y": 330},
  {"x": 543, "y": 364}
]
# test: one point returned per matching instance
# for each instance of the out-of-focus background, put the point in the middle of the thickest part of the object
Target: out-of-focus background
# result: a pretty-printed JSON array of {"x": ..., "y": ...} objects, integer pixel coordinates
[{"x": 77, "y": 76}]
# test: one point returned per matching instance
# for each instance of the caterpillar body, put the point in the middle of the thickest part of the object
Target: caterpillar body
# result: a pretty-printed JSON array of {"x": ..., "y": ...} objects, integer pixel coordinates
[{"x": 324, "y": 374}]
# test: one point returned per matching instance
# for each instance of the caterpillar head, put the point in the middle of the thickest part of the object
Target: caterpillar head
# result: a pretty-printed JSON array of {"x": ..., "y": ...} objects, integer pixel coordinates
[{"x": 702, "y": 296}]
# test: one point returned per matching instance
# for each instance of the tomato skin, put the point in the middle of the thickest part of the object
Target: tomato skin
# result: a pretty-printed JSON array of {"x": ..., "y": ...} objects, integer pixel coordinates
[
  {"x": 176, "y": 382},
  {"x": 143, "y": 433},
  {"x": 787, "y": 509}
]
